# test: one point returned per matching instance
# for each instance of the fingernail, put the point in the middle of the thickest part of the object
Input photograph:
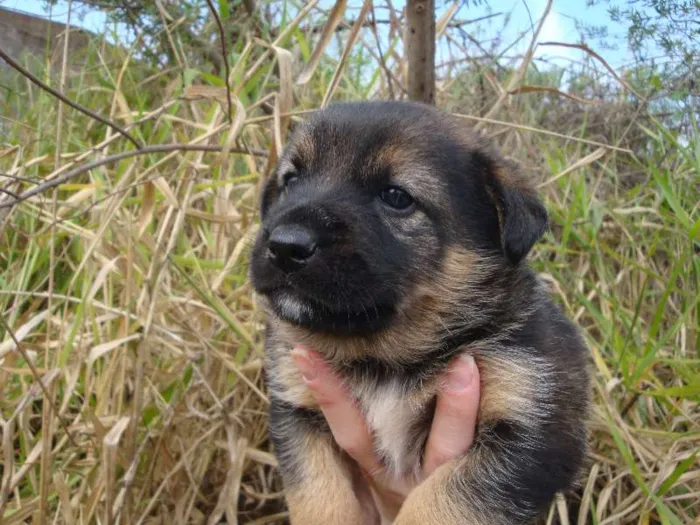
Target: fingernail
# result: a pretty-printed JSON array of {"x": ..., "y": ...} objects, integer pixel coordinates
[
  {"x": 462, "y": 374},
  {"x": 304, "y": 363}
]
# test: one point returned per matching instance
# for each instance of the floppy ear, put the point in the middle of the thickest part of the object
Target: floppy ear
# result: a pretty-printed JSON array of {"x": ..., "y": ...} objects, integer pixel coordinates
[
  {"x": 524, "y": 222},
  {"x": 523, "y": 217}
]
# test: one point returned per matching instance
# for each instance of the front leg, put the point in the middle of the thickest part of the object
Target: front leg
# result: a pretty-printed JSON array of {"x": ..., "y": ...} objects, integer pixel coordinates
[
  {"x": 531, "y": 444},
  {"x": 323, "y": 487},
  {"x": 508, "y": 478}
]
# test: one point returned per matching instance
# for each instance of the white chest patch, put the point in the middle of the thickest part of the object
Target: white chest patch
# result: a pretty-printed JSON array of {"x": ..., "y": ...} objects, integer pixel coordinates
[{"x": 392, "y": 416}]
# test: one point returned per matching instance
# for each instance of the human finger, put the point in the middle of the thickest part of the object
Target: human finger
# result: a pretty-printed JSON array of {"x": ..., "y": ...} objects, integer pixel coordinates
[
  {"x": 344, "y": 418},
  {"x": 454, "y": 423}
]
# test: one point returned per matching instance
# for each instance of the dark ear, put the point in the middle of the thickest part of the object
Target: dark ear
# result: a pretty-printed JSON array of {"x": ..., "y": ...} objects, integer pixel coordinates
[
  {"x": 269, "y": 194},
  {"x": 523, "y": 217},
  {"x": 524, "y": 222}
]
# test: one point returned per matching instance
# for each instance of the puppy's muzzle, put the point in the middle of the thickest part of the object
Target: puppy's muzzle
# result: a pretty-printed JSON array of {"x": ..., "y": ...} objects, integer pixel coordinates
[{"x": 291, "y": 246}]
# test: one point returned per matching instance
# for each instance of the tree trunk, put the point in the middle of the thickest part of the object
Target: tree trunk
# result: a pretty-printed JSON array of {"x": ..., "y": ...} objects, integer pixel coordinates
[{"x": 420, "y": 50}]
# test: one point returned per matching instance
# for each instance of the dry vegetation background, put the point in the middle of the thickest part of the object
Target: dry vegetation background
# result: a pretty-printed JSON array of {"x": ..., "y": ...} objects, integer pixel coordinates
[{"x": 130, "y": 346}]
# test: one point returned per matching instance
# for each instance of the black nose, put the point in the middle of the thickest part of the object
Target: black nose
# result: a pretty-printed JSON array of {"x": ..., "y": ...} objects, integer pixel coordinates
[{"x": 290, "y": 246}]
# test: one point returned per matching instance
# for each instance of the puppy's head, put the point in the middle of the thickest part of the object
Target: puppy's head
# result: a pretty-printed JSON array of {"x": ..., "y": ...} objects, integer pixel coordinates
[{"x": 368, "y": 200}]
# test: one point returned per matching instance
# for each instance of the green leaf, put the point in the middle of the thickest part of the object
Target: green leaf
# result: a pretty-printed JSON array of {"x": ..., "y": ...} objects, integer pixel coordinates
[
  {"x": 669, "y": 195},
  {"x": 212, "y": 79},
  {"x": 303, "y": 44},
  {"x": 695, "y": 231},
  {"x": 149, "y": 414},
  {"x": 223, "y": 10},
  {"x": 676, "y": 391},
  {"x": 188, "y": 76},
  {"x": 187, "y": 376},
  {"x": 168, "y": 393},
  {"x": 676, "y": 474}
]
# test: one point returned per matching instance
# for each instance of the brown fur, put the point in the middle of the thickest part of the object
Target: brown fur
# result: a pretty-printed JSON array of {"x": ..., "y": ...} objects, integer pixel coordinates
[
  {"x": 418, "y": 508},
  {"x": 327, "y": 472}
]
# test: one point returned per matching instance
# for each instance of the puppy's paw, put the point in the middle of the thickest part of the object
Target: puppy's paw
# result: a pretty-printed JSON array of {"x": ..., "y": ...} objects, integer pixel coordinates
[{"x": 436, "y": 501}]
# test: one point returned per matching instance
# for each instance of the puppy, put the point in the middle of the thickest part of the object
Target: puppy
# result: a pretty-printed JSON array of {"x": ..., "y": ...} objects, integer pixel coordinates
[{"x": 393, "y": 240}]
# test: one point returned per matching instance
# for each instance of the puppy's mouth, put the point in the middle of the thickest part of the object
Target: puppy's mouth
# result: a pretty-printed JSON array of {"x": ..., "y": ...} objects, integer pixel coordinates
[{"x": 304, "y": 311}]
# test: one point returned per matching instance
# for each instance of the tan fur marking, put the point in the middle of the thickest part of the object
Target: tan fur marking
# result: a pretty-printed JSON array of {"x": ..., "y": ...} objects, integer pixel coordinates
[
  {"x": 409, "y": 169},
  {"x": 287, "y": 374},
  {"x": 499, "y": 208},
  {"x": 393, "y": 154},
  {"x": 431, "y": 504},
  {"x": 510, "y": 389},
  {"x": 508, "y": 176},
  {"x": 326, "y": 495}
]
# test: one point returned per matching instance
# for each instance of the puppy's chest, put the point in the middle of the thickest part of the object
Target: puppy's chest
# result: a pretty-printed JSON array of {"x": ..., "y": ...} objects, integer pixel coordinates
[
  {"x": 400, "y": 421},
  {"x": 399, "y": 417}
]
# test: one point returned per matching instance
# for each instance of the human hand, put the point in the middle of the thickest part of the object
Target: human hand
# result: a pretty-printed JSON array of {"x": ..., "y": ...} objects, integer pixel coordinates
[{"x": 451, "y": 433}]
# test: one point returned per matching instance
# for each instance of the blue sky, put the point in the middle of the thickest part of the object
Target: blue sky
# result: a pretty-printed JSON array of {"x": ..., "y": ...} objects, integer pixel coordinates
[{"x": 559, "y": 26}]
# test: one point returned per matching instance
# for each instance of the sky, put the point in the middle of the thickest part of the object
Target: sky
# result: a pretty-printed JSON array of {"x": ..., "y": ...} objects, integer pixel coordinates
[{"x": 559, "y": 26}]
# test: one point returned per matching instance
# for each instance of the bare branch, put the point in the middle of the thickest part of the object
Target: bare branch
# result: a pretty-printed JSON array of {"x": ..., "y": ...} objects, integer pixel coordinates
[
  {"x": 485, "y": 120},
  {"x": 158, "y": 148},
  {"x": 10, "y": 193},
  {"x": 600, "y": 59},
  {"x": 20, "y": 179},
  {"x": 223, "y": 51},
  {"x": 7, "y": 58}
]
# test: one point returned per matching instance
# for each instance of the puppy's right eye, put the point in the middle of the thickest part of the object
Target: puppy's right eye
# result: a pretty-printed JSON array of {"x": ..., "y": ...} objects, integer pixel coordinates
[
  {"x": 290, "y": 179},
  {"x": 397, "y": 198}
]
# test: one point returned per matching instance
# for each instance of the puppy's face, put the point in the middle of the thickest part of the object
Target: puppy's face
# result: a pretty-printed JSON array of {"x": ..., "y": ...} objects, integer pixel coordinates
[{"x": 367, "y": 200}]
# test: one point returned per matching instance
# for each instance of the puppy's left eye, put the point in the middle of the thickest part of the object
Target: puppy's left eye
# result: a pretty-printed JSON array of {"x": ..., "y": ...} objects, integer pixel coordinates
[{"x": 396, "y": 198}]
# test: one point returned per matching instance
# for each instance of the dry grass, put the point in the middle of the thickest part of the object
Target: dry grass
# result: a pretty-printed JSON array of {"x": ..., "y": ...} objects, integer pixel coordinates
[{"x": 131, "y": 357}]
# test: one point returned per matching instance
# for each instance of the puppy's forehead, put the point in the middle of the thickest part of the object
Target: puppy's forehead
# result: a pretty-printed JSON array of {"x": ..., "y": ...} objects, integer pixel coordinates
[
  {"x": 302, "y": 149},
  {"x": 341, "y": 135},
  {"x": 356, "y": 142}
]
